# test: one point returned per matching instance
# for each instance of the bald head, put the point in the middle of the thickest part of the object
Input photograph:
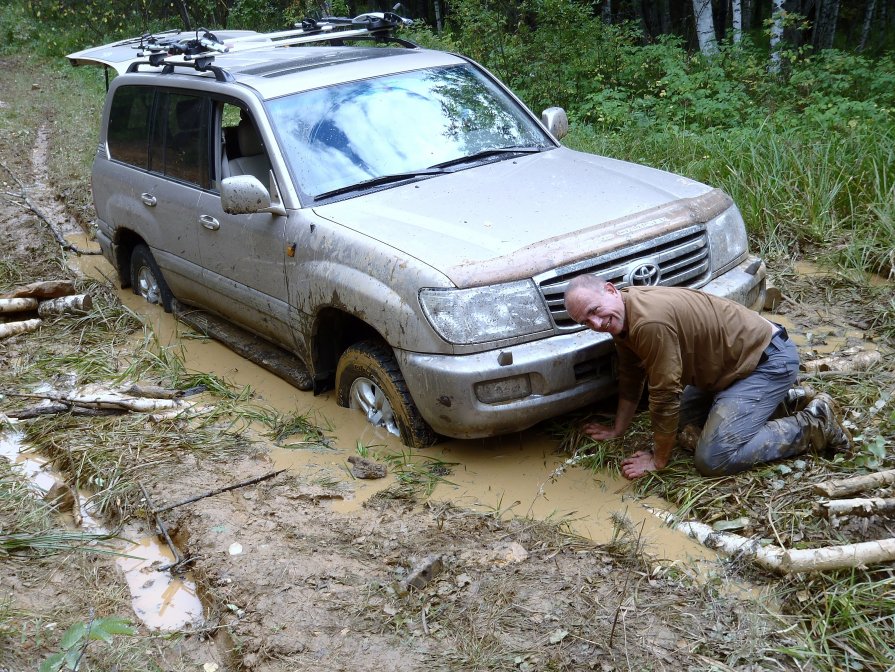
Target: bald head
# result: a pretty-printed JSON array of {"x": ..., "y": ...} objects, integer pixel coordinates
[{"x": 596, "y": 304}]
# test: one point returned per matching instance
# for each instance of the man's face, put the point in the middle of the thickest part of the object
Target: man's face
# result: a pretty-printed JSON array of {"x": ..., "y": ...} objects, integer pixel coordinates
[{"x": 603, "y": 312}]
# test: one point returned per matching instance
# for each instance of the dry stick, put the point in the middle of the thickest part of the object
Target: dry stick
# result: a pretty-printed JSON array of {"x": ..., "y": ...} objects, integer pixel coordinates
[
  {"x": 33, "y": 208},
  {"x": 849, "y": 486},
  {"x": 178, "y": 559},
  {"x": 241, "y": 484}
]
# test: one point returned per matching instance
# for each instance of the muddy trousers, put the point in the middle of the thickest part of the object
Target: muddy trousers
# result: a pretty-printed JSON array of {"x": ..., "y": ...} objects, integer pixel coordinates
[{"x": 737, "y": 432}]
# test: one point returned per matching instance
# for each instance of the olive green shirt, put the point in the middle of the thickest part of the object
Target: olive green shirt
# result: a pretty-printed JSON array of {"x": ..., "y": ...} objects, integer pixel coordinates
[{"x": 676, "y": 337}]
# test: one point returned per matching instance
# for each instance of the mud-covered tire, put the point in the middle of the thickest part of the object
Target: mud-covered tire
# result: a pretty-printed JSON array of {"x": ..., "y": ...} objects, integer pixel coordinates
[
  {"x": 147, "y": 280},
  {"x": 368, "y": 379}
]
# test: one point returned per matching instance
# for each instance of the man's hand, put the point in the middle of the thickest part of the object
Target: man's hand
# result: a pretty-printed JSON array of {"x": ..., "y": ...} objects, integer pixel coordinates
[
  {"x": 640, "y": 463},
  {"x": 600, "y": 432}
]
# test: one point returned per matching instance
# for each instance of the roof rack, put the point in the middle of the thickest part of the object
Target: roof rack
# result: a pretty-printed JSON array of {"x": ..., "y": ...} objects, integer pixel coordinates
[{"x": 199, "y": 51}]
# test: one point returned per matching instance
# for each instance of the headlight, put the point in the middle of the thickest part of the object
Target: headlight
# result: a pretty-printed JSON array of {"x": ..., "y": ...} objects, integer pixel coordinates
[
  {"x": 481, "y": 314},
  {"x": 727, "y": 238}
]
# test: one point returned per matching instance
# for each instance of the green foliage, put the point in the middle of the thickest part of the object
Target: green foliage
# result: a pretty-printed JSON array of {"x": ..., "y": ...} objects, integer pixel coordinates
[{"x": 78, "y": 636}]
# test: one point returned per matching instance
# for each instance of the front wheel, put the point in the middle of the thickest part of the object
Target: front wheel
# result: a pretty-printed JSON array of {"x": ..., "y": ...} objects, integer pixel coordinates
[
  {"x": 368, "y": 379},
  {"x": 147, "y": 280}
]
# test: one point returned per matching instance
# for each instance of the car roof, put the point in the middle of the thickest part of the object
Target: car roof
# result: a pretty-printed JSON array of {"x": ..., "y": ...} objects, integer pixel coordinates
[{"x": 270, "y": 69}]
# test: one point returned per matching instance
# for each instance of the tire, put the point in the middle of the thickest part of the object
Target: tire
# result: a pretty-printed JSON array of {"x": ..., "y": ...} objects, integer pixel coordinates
[
  {"x": 368, "y": 379},
  {"x": 147, "y": 280}
]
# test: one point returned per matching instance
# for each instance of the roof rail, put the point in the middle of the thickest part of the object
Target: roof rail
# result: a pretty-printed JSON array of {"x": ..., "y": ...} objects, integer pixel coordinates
[{"x": 199, "y": 51}]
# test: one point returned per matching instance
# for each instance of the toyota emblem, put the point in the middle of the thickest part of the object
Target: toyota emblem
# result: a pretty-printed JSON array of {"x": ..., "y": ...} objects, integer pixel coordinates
[{"x": 644, "y": 275}]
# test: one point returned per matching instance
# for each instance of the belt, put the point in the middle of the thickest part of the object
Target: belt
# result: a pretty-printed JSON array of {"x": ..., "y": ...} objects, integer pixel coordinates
[{"x": 781, "y": 334}]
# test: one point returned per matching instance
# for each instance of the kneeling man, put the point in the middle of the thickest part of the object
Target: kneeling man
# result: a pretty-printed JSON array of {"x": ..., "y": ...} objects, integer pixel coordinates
[{"x": 710, "y": 362}]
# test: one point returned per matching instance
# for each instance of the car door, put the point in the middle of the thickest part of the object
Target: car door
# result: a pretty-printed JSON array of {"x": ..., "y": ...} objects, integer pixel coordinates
[{"x": 244, "y": 256}]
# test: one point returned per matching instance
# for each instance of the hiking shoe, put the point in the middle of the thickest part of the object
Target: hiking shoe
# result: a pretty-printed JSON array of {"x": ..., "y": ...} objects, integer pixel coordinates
[
  {"x": 797, "y": 398},
  {"x": 836, "y": 438}
]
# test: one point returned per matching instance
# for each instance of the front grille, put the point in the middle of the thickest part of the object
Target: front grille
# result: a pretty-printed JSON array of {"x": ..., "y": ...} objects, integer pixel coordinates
[{"x": 681, "y": 257}]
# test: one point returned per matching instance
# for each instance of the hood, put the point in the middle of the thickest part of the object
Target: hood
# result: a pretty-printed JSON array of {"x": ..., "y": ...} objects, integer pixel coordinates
[{"x": 518, "y": 217}]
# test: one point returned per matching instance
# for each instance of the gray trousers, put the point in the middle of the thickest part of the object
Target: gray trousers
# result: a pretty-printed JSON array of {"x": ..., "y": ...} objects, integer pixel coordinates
[{"x": 737, "y": 430}]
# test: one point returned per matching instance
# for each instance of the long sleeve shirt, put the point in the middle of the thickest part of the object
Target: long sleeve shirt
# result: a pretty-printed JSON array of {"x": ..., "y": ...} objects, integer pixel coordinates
[{"x": 676, "y": 337}]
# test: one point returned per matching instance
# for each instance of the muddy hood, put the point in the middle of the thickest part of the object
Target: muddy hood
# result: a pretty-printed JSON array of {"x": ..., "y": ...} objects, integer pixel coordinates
[{"x": 518, "y": 217}]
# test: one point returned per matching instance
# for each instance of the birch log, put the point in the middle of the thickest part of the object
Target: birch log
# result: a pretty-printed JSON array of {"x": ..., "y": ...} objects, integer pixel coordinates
[
  {"x": 864, "y": 507},
  {"x": 17, "y": 305},
  {"x": 65, "y": 305},
  {"x": 786, "y": 561},
  {"x": 14, "y": 328},
  {"x": 849, "y": 486}
]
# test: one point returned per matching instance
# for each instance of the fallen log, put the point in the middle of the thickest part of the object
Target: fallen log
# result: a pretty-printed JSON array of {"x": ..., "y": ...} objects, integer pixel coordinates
[
  {"x": 863, "y": 506},
  {"x": 42, "y": 290},
  {"x": 15, "y": 328},
  {"x": 75, "y": 304},
  {"x": 849, "y": 486},
  {"x": 847, "y": 362},
  {"x": 794, "y": 561},
  {"x": 110, "y": 400},
  {"x": 59, "y": 407},
  {"x": 17, "y": 305}
]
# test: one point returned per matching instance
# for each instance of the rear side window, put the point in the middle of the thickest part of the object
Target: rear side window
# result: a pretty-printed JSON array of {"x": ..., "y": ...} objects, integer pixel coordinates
[
  {"x": 129, "y": 123},
  {"x": 166, "y": 132}
]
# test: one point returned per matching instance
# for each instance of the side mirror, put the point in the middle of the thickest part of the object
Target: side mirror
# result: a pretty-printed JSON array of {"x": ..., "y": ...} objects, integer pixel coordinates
[
  {"x": 556, "y": 121},
  {"x": 245, "y": 195}
]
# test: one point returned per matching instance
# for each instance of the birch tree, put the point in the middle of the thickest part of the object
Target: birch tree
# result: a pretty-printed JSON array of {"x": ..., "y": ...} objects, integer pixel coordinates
[
  {"x": 737, "y": 21},
  {"x": 777, "y": 17},
  {"x": 868, "y": 23},
  {"x": 705, "y": 27}
]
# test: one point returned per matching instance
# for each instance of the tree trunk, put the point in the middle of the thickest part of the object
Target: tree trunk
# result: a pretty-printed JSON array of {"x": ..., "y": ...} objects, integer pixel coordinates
[
  {"x": 438, "y": 26},
  {"x": 747, "y": 13},
  {"x": 776, "y": 35},
  {"x": 825, "y": 24},
  {"x": 737, "y": 21},
  {"x": 665, "y": 17},
  {"x": 705, "y": 27},
  {"x": 184, "y": 14},
  {"x": 868, "y": 22},
  {"x": 607, "y": 11}
]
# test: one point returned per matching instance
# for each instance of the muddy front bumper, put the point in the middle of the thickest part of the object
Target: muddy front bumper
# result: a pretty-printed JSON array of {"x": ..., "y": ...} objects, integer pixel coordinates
[{"x": 511, "y": 389}]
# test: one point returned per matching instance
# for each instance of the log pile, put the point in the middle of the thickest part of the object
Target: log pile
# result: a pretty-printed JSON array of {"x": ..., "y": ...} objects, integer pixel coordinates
[
  {"x": 791, "y": 561},
  {"x": 47, "y": 299}
]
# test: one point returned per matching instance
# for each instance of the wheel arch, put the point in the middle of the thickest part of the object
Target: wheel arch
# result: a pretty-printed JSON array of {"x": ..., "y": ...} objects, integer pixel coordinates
[
  {"x": 333, "y": 332},
  {"x": 124, "y": 243}
]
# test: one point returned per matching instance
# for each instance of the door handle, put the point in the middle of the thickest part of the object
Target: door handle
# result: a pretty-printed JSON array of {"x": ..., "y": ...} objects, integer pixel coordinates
[
  {"x": 209, "y": 222},
  {"x": 148, "y": 199}
]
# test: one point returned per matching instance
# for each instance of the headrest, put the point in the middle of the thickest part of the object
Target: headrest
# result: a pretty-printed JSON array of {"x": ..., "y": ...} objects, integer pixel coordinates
[{"x": 248, "y": 138}]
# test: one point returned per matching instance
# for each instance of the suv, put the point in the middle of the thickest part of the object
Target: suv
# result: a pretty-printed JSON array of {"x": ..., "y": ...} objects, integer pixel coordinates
[{"x": 392, "y": 215}]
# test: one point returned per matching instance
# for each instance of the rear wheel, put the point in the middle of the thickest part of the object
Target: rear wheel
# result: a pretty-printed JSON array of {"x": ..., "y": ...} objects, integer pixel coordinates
[
  {"x": 368, "y": 379},
  {"x": 147, "y": 280}
]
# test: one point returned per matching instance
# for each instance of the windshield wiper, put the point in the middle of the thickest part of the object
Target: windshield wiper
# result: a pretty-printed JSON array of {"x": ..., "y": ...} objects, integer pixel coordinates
[
  {"x": 495, "y": 151},
  {"x": 379, "y": 181}
]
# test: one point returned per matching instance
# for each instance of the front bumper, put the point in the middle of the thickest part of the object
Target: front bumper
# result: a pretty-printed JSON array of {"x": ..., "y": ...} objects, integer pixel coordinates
[{"x": 511, "y": 389}]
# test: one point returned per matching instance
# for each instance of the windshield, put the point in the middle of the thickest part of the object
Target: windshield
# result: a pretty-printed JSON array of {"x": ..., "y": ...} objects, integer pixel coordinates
[{"x": 398, "y": 125}]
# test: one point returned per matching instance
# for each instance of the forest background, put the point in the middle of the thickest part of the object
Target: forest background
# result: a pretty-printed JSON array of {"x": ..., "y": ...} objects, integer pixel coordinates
[{"x": 788, "y": 105}]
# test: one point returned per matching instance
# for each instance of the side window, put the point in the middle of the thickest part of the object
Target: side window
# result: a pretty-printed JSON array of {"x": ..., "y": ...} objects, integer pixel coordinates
[
  {"x": 180, "y": 145},
  {"x": 244, "y": 152},
  {"x": 129, "y": 123}
]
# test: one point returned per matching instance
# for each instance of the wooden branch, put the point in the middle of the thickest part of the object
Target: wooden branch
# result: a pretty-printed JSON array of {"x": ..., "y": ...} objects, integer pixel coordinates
[
  {"x": 849, "y": 486},
  {"x": 226, "y": 488},
  {"x": 17, "y": 305},
  {"x": 8, "y": 329},
  {"x": 778, "y": 559},
  {"x": 864, "y": 507}
]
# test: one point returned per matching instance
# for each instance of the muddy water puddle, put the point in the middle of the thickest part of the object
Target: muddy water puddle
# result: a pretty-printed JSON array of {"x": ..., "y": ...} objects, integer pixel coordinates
[{"x": 160, "y": 600}]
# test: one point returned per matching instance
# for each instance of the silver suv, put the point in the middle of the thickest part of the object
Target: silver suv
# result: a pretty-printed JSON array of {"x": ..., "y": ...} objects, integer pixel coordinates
[{"x": 394, "y": 216}]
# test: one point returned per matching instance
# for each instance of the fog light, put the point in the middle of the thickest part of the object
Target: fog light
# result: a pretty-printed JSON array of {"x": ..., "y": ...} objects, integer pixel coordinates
[{"x": 503, "y": 389}]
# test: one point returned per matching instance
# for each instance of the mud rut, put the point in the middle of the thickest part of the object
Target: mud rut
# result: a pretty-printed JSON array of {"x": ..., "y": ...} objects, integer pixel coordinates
[{"x": 316, "y": 589}]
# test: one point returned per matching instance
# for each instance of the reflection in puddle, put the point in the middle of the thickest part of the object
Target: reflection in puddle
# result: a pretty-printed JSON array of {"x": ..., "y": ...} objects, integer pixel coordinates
[{"x": 159, "y": 600}]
